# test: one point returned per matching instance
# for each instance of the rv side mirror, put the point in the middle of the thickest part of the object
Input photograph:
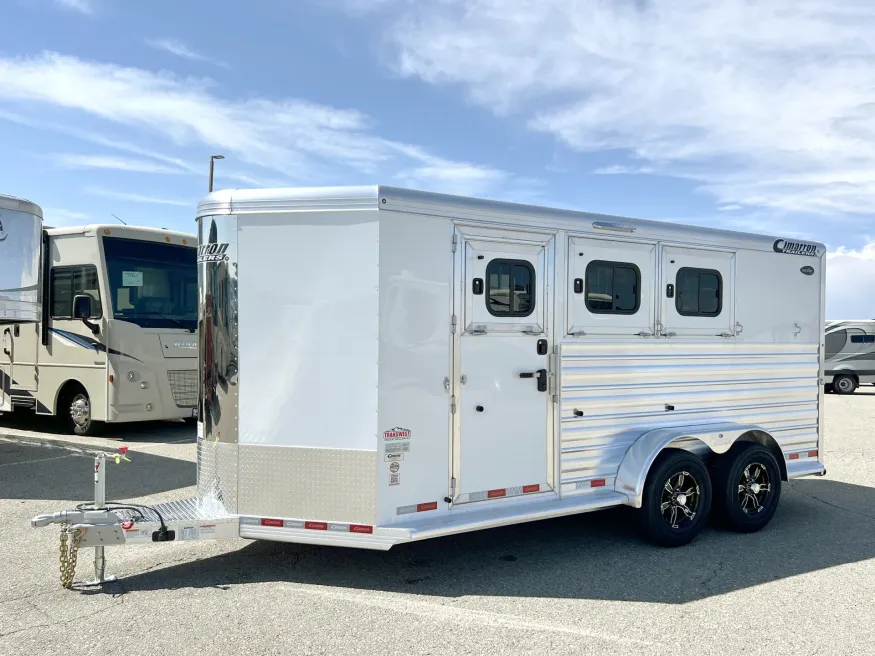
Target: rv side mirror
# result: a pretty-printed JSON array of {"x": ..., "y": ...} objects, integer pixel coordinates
[
  {"x": 81, "y": 307},
  {"x": 82, "y": 310}
]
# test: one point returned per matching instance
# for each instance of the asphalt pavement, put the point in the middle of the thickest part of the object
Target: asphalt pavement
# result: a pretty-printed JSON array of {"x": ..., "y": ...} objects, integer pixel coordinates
[{"x": 577, "y": 585}]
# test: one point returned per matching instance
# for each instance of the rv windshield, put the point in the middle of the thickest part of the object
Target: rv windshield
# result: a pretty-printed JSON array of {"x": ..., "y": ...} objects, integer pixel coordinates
[{"x": 153, "y": 285}]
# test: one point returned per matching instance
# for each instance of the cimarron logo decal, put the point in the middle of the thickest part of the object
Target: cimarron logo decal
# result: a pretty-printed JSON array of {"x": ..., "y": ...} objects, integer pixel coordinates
[{"x": 212, "y": 252}]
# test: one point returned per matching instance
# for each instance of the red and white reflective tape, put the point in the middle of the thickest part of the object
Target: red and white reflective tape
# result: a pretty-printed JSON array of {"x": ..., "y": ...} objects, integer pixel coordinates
[
  {"x": 591, "y": 483},
  {"x": 306, "y": 525},
  {"x": 502, "y": 492},
  {"x": 419, "y": 507},
  {"x": 802, "y": 454}
]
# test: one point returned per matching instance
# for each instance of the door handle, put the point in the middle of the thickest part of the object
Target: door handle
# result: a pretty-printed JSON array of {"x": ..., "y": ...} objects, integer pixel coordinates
[
  {"x": 541, "y": 375},
  {"x": 7, "y": 351}
]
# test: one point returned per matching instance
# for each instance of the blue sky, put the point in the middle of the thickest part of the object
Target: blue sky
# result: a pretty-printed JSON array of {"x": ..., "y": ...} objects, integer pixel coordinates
[{"x": 737, "y": 115}]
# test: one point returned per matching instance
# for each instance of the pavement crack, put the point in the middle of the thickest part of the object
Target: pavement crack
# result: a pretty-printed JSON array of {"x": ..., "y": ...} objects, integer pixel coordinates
[
  {"x": 836, "y": 506},
  {"x": 718, "y": 569}
]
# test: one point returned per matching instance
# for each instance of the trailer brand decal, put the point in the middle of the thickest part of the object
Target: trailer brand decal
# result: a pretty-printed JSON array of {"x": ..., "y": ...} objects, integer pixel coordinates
[
  {"x": 185, "y": 343},
  {"x": 212, "y": 252},
  {"x": 503, "y": 492},
  {"x": 528, "y": 489},
  {"x": 316, "y": 526},
  {"x": 795, "y": 247},
  {"x": 271, "y": 522},
  {"x": 396, "y": 434},
  {"x": 494, "y": 494},
  {"x": 360, "y": 528},
  {"x": 807, "y": 270}
]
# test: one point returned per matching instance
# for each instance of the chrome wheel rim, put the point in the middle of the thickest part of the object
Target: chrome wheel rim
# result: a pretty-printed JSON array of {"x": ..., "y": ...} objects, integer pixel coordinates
[
  {"x": 754, "y": 488},
  {"x": 80, "y": 411},
  {"x": 844, "y": 384},
  {"x": 680, "y": 499}
]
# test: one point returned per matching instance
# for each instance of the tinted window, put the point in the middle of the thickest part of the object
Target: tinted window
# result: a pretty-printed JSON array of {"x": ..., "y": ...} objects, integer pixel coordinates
[
  {"x": 68, "y": 282},
  {"x": 510, "y": 288},
  {"x": 862, "y": 339},
  {"x": 699, "y": 292},
  {"x": 152, "y": 284},
  {"x": 835, "y": 342},
  {"x": 612, "y": 287}
]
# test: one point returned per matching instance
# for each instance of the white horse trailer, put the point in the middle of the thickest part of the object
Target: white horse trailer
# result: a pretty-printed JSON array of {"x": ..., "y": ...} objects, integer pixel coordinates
[
  {"x": 380, "y": 366},
  {"x": 21, "y": 226}
]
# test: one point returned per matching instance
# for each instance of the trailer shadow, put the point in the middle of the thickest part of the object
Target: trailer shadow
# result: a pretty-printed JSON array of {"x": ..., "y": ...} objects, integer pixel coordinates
[
  {"x": 45, "y": 469},
  {"x": 146, "y": 432},
  {"x": 820, "y": 524}
]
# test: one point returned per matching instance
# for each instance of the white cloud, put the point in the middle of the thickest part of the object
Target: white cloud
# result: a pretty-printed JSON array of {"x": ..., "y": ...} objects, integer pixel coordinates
[
  {"x": 59, "y": 217},
  {"x": 178, "y": 48},
  {"x": 307, "y": 143},
  {"x": 137, "y": 198},
  {"x": 82, "y": 6},
  {"x": 115, "y": 163},
  {"x": 850, "y": 283},
  {"x": 766, "y": 104}
]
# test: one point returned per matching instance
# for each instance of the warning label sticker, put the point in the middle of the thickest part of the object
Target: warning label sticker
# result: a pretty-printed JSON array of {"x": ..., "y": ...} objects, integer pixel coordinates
[
  {"x": 397, "y": 447},
  {"x": 394, "y": 467},
  {"x": 394, "y": 478}
]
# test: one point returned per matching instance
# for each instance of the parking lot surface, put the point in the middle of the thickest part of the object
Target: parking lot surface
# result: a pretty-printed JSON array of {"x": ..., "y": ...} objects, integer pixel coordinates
[{"x": 579, "y": 585}]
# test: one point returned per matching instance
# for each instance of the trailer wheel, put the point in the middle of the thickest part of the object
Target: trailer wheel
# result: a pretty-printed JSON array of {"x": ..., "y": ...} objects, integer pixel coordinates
[
  {"x": 844, "y": 384},
  {"x": 677, "y": 499},
  {"x": 77, "y": 409},
  {"x": 747, "y": 487}
]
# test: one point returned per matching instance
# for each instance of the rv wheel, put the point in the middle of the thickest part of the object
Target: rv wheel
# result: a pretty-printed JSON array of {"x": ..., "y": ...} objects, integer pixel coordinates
[
  {"x": 747, "y": 487},
  {"x": 78, "y": 414},
  {"x": 677, "y": 499},
  {"x": 844, "y": 384}
]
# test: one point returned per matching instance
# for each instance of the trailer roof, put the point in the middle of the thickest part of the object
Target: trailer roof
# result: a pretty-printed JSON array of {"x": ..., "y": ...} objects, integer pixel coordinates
[
  {"x": 126, "y": 232},
  {"x": 244, "y": 201},
  {"x": 16, "y": 204}
]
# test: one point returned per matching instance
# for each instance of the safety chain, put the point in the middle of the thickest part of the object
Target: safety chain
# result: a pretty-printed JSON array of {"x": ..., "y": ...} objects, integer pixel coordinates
[{"x": 68, "y": 555}]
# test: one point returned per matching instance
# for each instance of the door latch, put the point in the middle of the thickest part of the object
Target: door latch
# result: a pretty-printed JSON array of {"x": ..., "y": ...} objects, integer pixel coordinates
[{"x": 541, "y": 375}]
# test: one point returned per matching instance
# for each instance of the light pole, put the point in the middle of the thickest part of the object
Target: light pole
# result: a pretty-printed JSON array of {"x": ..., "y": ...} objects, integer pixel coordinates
[{"x": 213, "y": 158}]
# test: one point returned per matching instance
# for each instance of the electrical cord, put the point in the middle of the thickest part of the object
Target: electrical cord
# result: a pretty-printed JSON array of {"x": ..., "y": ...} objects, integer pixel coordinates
[{"x": 126, "y": 505}]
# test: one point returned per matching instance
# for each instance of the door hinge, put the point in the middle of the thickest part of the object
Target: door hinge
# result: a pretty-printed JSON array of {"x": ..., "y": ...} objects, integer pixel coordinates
[
  {"x": 455, "y": 241},
  {"x": 453, "y": 486},
  {"x": 453, "y": 404},
  {"x": 453, "y": 324}
]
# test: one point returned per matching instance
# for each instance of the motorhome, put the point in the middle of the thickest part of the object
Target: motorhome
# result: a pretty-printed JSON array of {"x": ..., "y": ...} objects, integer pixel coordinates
[
  {"x": 116, "y": 338},
  {"x": 382, "y": 365},
  {"x": 850, "y": 355}
]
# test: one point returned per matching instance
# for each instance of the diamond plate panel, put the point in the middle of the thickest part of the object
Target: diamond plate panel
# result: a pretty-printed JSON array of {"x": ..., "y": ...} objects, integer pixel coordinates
[
  {"x": 326, "y": 484},
  {"x": 217, "y": 473}
]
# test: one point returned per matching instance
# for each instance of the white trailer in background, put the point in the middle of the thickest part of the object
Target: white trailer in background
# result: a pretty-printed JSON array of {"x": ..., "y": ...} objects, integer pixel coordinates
[
  {"x": 115, "y": 340},
  {"x": 380, "y": 366},
  {"x": 20, "y": 302},
  {"x": 850, "y": 355}
]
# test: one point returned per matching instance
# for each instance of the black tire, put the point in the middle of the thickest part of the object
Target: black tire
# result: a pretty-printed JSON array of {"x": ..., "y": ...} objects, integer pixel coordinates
[
  {"x": 76, "y": 409},
  {"x": 674, "y": 517},
  {"x": 740, "y": 474},
  {"x": 844, "y": 384}
]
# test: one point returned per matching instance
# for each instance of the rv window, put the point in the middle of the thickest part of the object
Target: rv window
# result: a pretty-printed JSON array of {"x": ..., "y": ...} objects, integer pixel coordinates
[
  {"x": 863, "y": 339},
  {"x": 612, "y": 287},
  {"x": 835, "y": 342},
  {"x": 68, "y": 282},
  {"x": 510, "y": 288},
  {"x": 699, "y": 292}
]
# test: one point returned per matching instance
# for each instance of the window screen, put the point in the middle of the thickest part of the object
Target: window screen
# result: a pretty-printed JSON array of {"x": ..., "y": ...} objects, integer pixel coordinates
[
  {"x": 510, "y": 288},
  {"x": 835, "y": 342},
  {"x": 612, "y": 287},
  {"x": 68, "y": 282},
  {"x": 862, "y": 339},
  {"x": 699, "y": 292}
]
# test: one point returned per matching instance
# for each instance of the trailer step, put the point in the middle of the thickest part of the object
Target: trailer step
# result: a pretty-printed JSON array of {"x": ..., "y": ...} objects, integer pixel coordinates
[{"x": 461, "y": 519}]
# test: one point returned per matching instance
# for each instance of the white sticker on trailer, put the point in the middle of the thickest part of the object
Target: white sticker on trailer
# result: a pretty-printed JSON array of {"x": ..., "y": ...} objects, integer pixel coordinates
[
  {"x": 398, "y": 447},
  {"x": 132, "y": 278},
  {"x": 188, "y": 533}
]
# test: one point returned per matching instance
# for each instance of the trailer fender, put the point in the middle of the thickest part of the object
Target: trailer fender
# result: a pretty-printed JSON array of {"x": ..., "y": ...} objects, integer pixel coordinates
[{"x": 640, "y": 456}]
